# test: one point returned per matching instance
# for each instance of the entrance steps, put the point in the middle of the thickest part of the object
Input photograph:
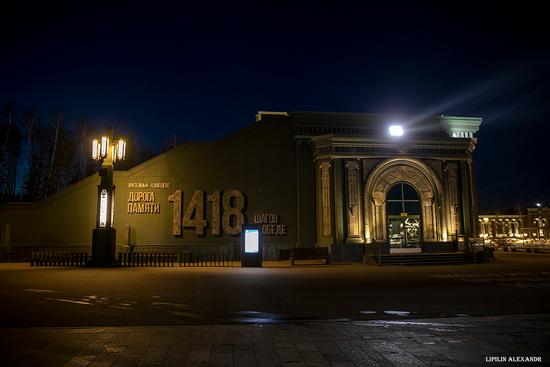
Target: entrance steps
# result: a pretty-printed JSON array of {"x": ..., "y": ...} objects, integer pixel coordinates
[{"x": 445, "y": 258}]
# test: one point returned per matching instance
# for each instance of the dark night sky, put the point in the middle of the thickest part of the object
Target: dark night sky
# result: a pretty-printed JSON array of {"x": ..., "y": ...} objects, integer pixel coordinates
[{"x": 202, "y": 72}]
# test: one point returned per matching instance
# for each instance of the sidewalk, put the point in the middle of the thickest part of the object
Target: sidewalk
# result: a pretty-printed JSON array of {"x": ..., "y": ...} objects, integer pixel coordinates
[{"x": 454, "y": 341}]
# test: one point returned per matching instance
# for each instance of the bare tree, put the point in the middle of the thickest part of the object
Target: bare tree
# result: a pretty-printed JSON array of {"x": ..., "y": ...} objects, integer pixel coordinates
[
  {"x": 9, "y": 152},
  {"x": 55, "y": 122}
]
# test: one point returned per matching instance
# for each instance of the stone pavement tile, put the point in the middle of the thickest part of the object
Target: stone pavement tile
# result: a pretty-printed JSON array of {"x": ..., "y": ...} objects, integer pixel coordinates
[
  {"x": 98, "y": 340},
  {"x": 244, "y": 358},
  {"x": 178, "y": 348},
  {"x": 332, "y": 353},
  {"x": 306, "y": 347},
  {"x": 221, "y": 359},
  {"x": 198, "y": 358},
  {"x": 425, "y": 353},
  {"x": 377, "y": 357},
  {"x": 80, "y": 360},
  {"x": 444, "y": 363},
  {"x": 355, "y": 354},
  {"x": 314, "y": 359},
  {"x": 284, "y": 345},
  {"x": 243, "y": 346},
  {"x": 174, "y": 360},
  {"x": 394, "y": 354},
  {"x": 292, "y": 364},
  {"x": 342, "y": 364},
  {"x": 160, "y": 339},
  {"x": 56, "y": 360},
  {"x": 287, "y": 354},
  {"x": 477, "y": 343},
  {"x": 267, "y": 357},
  {"x": 264, "y": 346},
  {"x": 105, "y": 359},
  {"x": 222, "y": 348},
  {"x": 152, "y": 357},
  {"x": 23, "y": 359},
  {"x": 336, "y": 357},
  {"x": 278, "y": 339},
  {"x": 128, "y": 359}
]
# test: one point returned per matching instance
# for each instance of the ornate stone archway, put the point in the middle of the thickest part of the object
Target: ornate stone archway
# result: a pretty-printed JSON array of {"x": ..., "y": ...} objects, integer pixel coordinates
[{"x": 417, "y": 174}]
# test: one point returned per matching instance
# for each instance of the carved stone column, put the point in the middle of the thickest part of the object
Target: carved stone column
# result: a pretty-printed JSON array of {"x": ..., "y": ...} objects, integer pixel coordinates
[
  {"x": 428, "y": 216},
  {"x": 325, "y": 198},
  {"x": 453, "y": 200},
  {"x": 379, "y": 199},
  {"x": 353, "y": 218}
]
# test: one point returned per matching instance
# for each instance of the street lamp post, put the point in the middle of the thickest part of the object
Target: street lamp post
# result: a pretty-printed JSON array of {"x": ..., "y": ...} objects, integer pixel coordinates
[{"x": 107, "y": 152}]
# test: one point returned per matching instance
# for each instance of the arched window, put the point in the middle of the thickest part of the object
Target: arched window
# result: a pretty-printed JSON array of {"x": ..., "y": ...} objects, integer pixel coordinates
[{"x": 402, "y": 198}]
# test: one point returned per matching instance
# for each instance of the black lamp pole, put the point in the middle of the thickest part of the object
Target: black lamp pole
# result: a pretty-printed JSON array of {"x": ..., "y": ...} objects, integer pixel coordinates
[{"x": 104, "y": 235}]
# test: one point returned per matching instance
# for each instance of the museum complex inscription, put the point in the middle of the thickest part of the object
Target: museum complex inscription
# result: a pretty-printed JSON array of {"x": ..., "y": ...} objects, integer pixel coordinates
[{"x": 226, "y": 215}]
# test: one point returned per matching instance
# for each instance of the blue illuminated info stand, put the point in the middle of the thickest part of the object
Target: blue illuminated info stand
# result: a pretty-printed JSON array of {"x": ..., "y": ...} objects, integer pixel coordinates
[{"x": 251, "y": 246}]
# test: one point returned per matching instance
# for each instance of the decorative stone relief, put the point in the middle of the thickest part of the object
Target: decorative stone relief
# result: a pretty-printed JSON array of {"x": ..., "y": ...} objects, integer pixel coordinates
[
  {"x": 453, "y": 198},
  {"x": 436, "y": 166},
  {"x": 353, "y": 197},
  {"x": 401, "y": 173},
  {"x": 325, "y": 193},
  {"x": 419, "y": 181},
  {"x": 368, "y": 165},
  {"x": 379, "y": 198}
]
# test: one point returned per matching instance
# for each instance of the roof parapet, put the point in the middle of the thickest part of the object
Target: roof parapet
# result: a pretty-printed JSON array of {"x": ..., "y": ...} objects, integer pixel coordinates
[{"x": 259, "y": 114}]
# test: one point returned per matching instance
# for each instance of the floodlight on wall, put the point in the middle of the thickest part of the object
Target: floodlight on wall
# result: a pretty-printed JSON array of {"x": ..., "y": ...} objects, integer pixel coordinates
[{"x": 396, "y": 130}]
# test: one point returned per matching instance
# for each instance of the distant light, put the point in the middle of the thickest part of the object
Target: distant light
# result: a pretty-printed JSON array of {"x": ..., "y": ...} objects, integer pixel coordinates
[
  {"x": 538, "y": 205},
  {"x": 396, "y": 130}
]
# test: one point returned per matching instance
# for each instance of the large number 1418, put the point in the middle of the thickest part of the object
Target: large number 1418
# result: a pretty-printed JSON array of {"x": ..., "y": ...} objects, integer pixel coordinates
[{"x": 232, "y": 218}]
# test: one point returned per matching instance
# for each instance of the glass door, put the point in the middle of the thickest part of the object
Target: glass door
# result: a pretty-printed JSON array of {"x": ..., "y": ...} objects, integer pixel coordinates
[
  {"x": 412, "y": 231},
  {"x": 403, "y": 211},
  {"x": 397, "y": 233},
  {"x": 404, "y": 232}
]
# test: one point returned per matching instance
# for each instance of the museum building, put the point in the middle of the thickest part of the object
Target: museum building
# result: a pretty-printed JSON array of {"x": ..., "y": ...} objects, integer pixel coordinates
[{"x": 352, "y": 182}]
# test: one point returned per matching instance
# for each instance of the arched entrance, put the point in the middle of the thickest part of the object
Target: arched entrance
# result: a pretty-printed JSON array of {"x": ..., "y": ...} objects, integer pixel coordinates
[
  {"x": 407, "y": 194},
  {"x": 403, "y": 210}
]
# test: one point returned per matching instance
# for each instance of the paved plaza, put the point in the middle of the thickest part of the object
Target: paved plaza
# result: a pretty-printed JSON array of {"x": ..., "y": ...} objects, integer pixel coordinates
[
  {"x": 457, "y": 341},
  {"x": 310, "y": 315}
]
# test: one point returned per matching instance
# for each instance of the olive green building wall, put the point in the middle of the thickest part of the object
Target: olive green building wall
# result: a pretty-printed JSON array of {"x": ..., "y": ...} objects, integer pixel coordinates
[{"x": 262, "y": 161}]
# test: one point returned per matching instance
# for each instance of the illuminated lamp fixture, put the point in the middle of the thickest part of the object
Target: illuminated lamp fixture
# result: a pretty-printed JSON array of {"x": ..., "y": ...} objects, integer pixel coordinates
[
  {"x": 107, "y": 151},
  {"x": 101, "y": 149},
  {"x": 396, "y": 130}
]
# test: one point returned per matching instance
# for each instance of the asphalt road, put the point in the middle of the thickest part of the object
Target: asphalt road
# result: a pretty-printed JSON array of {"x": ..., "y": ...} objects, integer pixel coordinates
[{"x": 516, "y": 283}]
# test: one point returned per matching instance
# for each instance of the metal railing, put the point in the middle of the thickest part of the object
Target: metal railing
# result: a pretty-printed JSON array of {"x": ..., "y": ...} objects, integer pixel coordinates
[
  {"x": 58, "y": 258},
  {"x": 183, "y": 259}
]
